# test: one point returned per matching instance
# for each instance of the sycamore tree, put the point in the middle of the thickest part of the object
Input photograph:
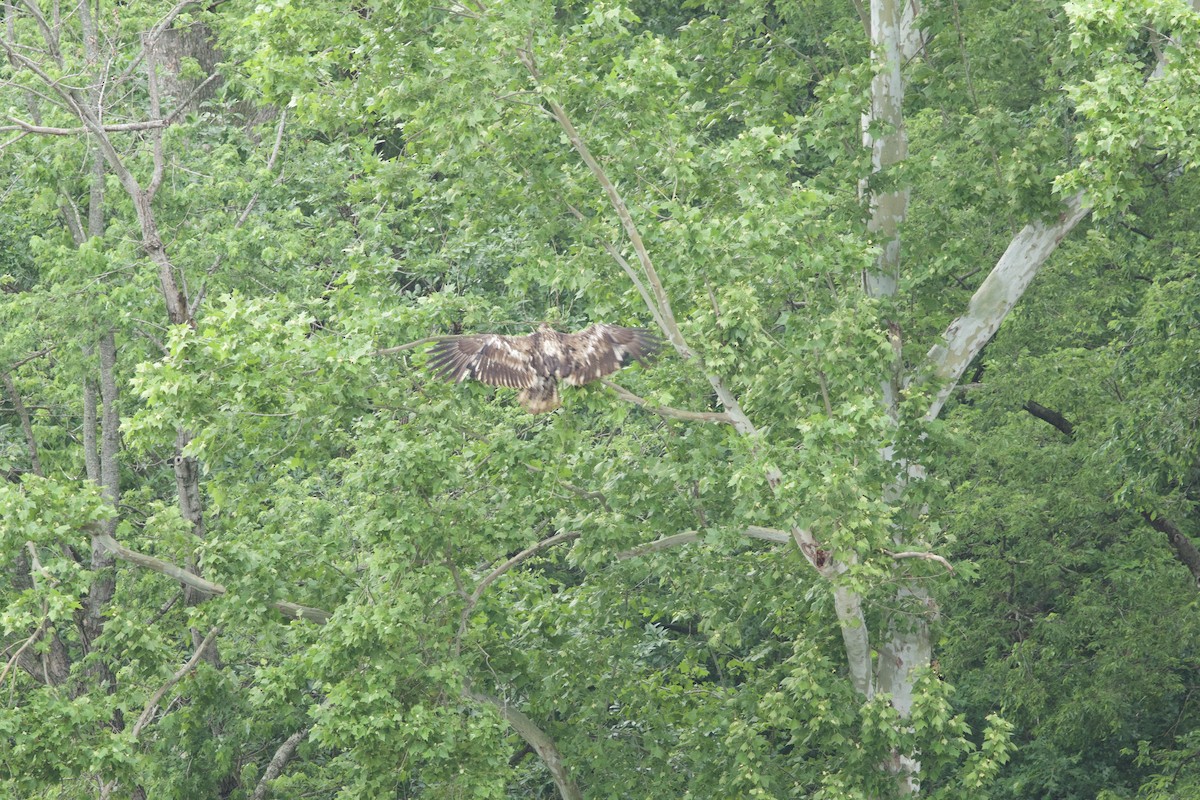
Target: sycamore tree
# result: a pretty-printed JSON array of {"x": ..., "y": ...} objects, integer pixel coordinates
[{"x": 254, "y": 549}]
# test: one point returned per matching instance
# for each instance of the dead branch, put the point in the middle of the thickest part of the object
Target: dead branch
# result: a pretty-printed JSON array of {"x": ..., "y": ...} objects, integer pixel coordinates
[
  {"x": 44, "y": 130},
  {"x": 688, "y": 537},
  {"x": 274, "y": 769}
]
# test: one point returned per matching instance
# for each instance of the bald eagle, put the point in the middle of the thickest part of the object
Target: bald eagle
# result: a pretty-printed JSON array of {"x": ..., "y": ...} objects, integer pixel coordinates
[{"x": 536, "y": 363}]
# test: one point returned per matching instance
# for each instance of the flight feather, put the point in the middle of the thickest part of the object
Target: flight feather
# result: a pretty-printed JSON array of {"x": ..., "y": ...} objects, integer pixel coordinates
[{"x": 536, "y": 363}]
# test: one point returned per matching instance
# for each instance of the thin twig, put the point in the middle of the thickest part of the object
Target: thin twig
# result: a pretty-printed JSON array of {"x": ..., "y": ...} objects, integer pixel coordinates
[
  {"x": 387, "y": 351},
  {"x": 661, "y": 308},
  {"x": 615, "y": 255},
  {"x": 151, "y": 38},
  {"x": 245, "y": 215}
]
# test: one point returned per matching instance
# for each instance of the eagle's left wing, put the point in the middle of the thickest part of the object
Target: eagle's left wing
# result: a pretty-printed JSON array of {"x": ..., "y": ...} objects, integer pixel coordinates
[{"x": 603, "y": 349}]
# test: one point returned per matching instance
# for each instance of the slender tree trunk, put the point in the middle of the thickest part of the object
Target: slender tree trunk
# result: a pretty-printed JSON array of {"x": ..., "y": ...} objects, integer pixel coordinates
[
  {"x": 104, "y": 578},
  {"x": 904, "y": 647}
]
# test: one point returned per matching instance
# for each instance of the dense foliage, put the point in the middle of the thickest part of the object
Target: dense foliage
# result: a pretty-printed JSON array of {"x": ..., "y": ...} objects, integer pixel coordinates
[{"x": 227, "y": 230}]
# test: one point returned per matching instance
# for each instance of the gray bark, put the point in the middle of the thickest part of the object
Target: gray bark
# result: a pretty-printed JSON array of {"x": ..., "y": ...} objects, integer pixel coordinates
[
  {"x": 539, "y": 740},
  {"x": 274, "y": 769}
]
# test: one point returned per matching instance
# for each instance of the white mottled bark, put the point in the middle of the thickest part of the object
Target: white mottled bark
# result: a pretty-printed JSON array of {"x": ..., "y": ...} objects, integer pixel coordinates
[{"x": 997, "y": 295}]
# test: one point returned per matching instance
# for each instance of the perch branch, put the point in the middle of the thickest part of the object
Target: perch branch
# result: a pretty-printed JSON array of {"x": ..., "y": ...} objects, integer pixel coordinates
[
  {"x": 666, "y": 411},
  {"x": 495, "y": 574},
  {"x": 282, "y": 756}
]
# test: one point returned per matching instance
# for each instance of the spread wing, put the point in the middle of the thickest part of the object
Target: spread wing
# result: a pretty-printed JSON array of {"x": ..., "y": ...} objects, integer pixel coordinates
[
  {"x": 490, "y": 358},
  {"x": 603, "y": 349}
]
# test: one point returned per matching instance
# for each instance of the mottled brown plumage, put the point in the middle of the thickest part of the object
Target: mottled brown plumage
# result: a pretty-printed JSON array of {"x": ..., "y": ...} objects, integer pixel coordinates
[{"x": 536, "y": 363}]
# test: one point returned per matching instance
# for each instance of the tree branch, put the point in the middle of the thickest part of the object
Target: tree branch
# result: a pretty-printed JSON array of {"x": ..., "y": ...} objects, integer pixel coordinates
[
  {"x": 688, "y": 537},
  {"x": 35, "y": 463},
  {"x": 661, "y": 308},
  {"x": 33, "y": 637},
  {"x": 997, "y": 295},
  {"x": 494, "y": 575},
  {"x": 666, "y": 411},
  {"x": 274, "y": 769},
  {"x": 206, "y": 587},
  {"x": 615, "y": 255},
  {"x": 538, "y": 739},
  {"x": 43, "y": 130},
  {"x": 1053, "y": 417},
  {"x": 922, "y": 555},
  {"x": 152, "y": 703},
  {"x": 1185, "y": 548}
]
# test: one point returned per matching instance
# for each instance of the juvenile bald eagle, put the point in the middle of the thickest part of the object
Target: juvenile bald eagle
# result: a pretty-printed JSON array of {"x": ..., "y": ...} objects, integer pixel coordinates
[{"x": 537, "y": 362}]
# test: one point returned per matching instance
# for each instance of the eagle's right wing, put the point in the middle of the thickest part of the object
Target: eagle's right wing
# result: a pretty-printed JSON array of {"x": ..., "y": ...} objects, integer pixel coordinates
[
  {"x": 489, "y": 358},
  {"x": 601, "y": 350}
]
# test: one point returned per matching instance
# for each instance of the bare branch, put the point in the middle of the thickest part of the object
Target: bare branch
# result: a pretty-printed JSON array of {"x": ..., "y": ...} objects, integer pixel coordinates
[
  {"x": 152, "y": 36},
  {"x": 26, "y": 425},
  {"x": 997, "y": 295},
  {"x": 667, "y": 411},
  {"x": 1185, "y": 549},
  {"x": 688, "y": 537},
  {"x": 156, "y": 140},
  {"x": 661, "y": 307},
  {"x": 152, "y": 703},
  {"x": 48, "y": 34},
  {"x": 615, "y": 255},
  {"x": 921, "y": 555},
  {"x": 43, "y": 130},
  {"x": 1048, "y": 415},
  {"x": 207, "y": 587},
  {"x": 33, "y": 637},
  {"x": 181, "y": 109}
]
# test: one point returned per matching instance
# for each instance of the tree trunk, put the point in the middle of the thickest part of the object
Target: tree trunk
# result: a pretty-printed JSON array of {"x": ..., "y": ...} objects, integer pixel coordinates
[{"x": 905, "y": 648}]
